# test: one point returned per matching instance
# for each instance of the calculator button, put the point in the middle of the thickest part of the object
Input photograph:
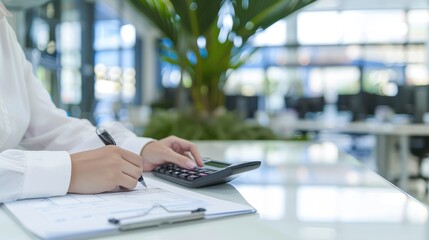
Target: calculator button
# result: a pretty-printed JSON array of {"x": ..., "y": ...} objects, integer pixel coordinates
[
  {"x": 202, "y": 174},
  {"x": 183, "y": 175},
  {"x": 176, "y": 174},
  {"x": 192, "y": 177}
]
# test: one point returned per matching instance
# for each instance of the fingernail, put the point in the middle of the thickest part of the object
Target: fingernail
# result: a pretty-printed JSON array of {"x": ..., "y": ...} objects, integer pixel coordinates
[{"x": 191, "y": 165}]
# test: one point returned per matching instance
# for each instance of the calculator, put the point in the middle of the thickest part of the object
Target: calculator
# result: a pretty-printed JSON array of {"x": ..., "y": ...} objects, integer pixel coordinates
[{"x": 213, "y": 172}]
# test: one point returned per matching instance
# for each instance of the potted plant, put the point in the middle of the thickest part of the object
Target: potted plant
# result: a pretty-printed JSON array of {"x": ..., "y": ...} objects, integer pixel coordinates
[{"x": 208, "y": 39}]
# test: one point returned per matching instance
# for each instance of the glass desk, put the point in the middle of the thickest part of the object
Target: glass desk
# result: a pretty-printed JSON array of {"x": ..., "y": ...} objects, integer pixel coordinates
[
  {"x": 301, "y": 191},
  {"x": 384, "y": 133}
]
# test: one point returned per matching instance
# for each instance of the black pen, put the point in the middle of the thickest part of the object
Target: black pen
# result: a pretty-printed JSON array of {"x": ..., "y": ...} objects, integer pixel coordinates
[{"x": 107, "y": 139}]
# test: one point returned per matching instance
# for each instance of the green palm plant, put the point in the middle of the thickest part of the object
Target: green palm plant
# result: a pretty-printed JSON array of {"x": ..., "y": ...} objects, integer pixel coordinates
[{"x": 208, "y": 38}]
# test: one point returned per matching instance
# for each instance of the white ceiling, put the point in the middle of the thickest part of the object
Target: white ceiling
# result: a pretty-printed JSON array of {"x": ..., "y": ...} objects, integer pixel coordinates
[{"x": 368, "y": 4}]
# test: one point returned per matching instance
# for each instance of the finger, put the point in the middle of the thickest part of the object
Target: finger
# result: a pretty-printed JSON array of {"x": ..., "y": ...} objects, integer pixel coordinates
[
  {"x": 132, "y": 158},
  {"x": 196, "y": 155},
  {"x": 131, "y": 170},
  {"x": 128, "y": 182},
  {"x": 184, "y": 146},
  {"x": 180, "y": 160}
]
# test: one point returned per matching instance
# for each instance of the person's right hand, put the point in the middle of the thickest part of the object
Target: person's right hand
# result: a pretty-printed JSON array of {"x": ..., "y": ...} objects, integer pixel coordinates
[{"x": 104, "y": 169}]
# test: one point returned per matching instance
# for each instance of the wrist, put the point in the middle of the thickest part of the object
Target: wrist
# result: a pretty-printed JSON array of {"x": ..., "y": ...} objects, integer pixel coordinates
[{"x": 145, "y": 146}]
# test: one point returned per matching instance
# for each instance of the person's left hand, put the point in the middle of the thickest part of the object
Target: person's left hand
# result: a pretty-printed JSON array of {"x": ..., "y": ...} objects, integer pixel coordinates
[{"x": 171, "y": 149}]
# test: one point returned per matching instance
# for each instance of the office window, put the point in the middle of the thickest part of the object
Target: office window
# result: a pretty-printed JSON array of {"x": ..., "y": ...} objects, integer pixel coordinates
[
  {"x": 385, "y": 54},
  {"x": 39, "y": 33},
  {"x": 69, "y": 45},
  {"x": 44, "y": 75},
  {"x": 416, "y": 54},
  {"x": 331, "y": 81},
  {"x": 71, "y": 85},
  {"x": 380, "y": 26},
  {"x": 116, "y": 49},
  {"x": 277, "y": 56},
  {"x": 275, "y": 35},
  {"x": 418, "y": 25},
  {"x": 384, "y": 48},
  {"x": 332, "y": 27},
  {"x": 382, "y": 81},
  {"x": 323, "y": 55},
  {"x": 417, "y": 74},
  {"x": 41, "y": 45},
  {"x": 170, "y": 75},
  {"x": 246, "y": 81},
  {"x": 373, "y": 26},
  {"x": 340, "y": 80},
  {"x": 115, "y": 60},
  {"x": 282, "y": 81},
  {"x": 319, "y": 27}
]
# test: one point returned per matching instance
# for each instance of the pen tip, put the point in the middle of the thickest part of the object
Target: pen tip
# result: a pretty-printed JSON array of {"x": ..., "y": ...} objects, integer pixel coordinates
[{"x": 141, "y": 180}]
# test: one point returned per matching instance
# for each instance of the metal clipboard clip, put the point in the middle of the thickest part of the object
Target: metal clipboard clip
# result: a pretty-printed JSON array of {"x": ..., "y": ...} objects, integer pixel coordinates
[{"x": 138, "y": 221}]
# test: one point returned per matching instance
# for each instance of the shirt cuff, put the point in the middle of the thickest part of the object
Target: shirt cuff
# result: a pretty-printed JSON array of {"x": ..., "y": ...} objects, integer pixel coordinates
[
  {"x": 135, "y": 144},
  {"x": 47, "y": 174}
]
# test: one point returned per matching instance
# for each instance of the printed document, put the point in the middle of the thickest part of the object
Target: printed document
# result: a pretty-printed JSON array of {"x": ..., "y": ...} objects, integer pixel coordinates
[{"x": 79, "y": 216}]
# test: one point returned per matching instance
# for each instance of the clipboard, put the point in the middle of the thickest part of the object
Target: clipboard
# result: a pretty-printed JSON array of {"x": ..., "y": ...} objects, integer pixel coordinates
[
  {"x": 142, "y": 221},
  {"x": 87, "y": 216}
]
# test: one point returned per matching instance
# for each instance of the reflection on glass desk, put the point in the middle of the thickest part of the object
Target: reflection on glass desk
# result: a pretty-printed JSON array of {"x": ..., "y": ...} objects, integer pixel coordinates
[
  {"x": 384, "y": 133},
  {"x": 302, "y": 191},
  {"x": 315, "y": 191}
]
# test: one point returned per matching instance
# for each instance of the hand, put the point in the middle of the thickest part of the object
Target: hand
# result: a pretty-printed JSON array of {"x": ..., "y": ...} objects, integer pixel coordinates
[
  {"x": 104, "y": 169},
  {"x": 171, "y": 149}
]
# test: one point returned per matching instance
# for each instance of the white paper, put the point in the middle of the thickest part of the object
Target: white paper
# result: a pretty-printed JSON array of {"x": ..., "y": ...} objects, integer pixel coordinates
[{"x": 77, "y": 216}]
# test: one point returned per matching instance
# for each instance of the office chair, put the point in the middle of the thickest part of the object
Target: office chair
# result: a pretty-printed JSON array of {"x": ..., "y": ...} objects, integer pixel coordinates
[{"x": 419, "y": 147}]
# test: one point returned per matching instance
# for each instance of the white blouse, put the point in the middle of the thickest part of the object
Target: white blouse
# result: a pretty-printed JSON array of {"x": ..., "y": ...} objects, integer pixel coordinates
[{"x": 36, "y": 138}]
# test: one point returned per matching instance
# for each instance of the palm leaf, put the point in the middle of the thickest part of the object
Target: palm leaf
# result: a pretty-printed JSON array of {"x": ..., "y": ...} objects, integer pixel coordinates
[
  {"x": 162, "y": 14},
  {"x": 252, "y": 16},
  {"x": 185, "y": 21},
  {"x": 197, "y": 15}
]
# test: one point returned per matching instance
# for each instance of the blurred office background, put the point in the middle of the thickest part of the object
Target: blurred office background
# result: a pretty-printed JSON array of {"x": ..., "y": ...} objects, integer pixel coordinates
[{"x": 352, "y": 60}]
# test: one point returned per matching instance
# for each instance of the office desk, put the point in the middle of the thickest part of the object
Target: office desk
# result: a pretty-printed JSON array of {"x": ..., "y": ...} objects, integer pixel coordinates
[
  {"x": 302, "y": 191},
  {"x": 384, "y": 133}
]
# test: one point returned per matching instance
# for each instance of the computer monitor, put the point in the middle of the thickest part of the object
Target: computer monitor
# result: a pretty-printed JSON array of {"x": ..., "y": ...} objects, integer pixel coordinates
[
  {"x": 306, "y": 105},
  {"x": 421, "y": 105},
  {"x": 243, "y": 105},
  {"x": 354, "y": 103},
  {"x": 403, "y": 102}
]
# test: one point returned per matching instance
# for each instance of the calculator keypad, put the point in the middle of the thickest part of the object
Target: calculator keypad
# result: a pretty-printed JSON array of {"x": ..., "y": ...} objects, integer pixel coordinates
[{"x": 183, "y": 173}]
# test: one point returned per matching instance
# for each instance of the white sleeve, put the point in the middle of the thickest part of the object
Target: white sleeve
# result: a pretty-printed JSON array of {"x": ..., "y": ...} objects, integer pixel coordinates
[
  {"x": 44, "y": 168},
  {"x": 125, "y": 138},
  {"x": 27, "y": 174},
  {"x": 51, "y": 129}
]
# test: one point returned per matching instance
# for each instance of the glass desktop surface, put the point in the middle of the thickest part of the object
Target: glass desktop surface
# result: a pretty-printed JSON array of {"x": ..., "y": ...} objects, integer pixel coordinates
[
  {"x": 301, "y": 191},
  {"x": 314, "y": 191}
]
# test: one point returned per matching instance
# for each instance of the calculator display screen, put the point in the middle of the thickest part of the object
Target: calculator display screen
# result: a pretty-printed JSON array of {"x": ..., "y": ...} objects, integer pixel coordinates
[{"x": 216, "y": 164}]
